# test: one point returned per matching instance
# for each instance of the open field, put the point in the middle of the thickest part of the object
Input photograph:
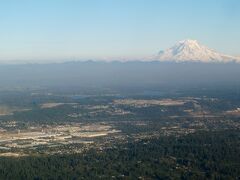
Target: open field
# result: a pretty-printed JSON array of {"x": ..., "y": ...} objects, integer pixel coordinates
[
  {"x": 52, "y": 105},
  {"x": 57, "y": 135},
  {"x": 145, "y": 103}
]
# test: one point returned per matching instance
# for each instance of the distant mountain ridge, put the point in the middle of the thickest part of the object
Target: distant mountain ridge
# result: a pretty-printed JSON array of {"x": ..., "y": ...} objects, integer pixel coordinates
[
  {"x": 184, "y": 51},
  {"x": 192, "y": 51}
]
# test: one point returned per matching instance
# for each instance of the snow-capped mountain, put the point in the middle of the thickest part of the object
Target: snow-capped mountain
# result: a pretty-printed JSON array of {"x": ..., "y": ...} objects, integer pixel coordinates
[{"x": 191, "y": 50}]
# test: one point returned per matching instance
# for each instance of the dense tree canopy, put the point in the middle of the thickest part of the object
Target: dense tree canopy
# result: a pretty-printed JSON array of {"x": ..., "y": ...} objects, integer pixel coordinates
[{"x": 203, "y": 155}]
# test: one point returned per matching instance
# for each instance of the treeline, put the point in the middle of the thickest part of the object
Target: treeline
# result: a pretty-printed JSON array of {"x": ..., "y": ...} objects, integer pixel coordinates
[{"x": 203, "y": 155}]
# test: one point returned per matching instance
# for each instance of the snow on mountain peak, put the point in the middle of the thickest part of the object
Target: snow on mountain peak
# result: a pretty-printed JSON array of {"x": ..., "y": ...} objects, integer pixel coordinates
[{"x": 191, "y": 50}]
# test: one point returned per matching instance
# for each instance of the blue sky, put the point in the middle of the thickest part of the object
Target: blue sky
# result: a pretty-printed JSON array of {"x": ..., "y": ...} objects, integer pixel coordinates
[{"x": 98, "y": 29}]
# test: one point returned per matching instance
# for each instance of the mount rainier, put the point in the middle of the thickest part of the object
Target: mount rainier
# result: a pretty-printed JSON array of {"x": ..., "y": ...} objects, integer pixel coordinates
[{"x": 192, "y": 51}]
